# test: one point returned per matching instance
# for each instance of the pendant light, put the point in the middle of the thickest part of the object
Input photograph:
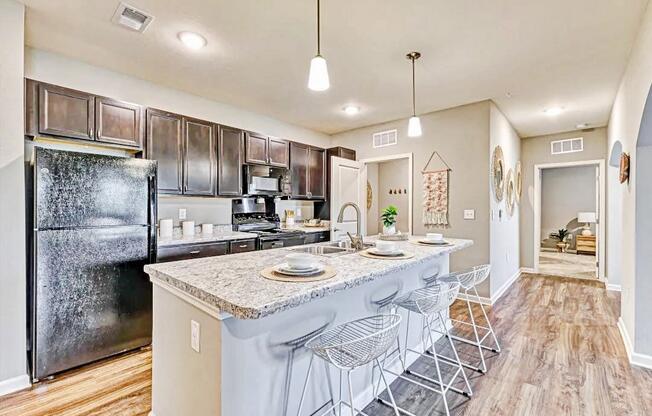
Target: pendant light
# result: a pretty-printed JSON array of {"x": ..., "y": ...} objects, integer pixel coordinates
[
  {"x": 414, "y": 125},
  {"x": 318, "y": 77}
]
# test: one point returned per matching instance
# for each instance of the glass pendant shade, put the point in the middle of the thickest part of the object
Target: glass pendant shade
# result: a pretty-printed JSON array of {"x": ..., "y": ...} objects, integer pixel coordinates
[
  {"x": 318, "y": 79},
  {"x": 414, "y": 127}
]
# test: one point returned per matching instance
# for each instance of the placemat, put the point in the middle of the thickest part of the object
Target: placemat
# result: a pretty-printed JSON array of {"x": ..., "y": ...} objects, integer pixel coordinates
[
  {"x": 271, "y": 274},
  {"x": 406, "y": 255},
  {"x": 419, "y": 243}
]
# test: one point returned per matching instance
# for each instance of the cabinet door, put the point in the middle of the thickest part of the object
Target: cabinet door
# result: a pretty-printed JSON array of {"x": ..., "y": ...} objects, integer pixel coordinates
[
  {"x": 164, "y": 144},
  {"x": 299, "y": 169},
  {"x": 279, "y": 152},
  {"x": 118, "y": 122},
  {"x": 200, "y": 154},
  {"x": 256, "y": 148},
  {"x": 316, "y": 173},
  {"x": 65, "y": 112},
  {"x": 229, "y": 150}
]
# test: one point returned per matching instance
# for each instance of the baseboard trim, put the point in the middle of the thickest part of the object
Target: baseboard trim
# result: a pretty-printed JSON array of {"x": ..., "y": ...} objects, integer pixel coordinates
[
  {"x": 615, "y": 288},
  {"x": 528, "y": 270},
  {"x": 14, "y": 384},
  {"x": 639, "y": 360},
  {"x": 493, "y": 299}
]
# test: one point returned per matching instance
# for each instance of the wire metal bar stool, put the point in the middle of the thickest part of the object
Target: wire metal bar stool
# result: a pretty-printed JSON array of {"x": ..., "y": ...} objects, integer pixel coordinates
[
  {"x": 469, "y": 279},
  {"x": 350, "y": 346},
  {"x": 430, "y": 302}
]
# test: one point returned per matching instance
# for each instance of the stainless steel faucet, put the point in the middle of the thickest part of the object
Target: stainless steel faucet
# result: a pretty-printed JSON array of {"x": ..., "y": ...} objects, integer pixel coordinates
[{"x": 356, "y": 242}]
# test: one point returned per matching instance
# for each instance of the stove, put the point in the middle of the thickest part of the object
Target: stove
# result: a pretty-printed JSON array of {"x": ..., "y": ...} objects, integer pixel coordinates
[{"x": 255, "y": 215}]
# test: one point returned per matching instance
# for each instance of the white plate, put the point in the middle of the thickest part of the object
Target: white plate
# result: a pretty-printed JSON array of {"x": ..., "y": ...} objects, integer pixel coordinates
[
  {"x": 394, "y": 253},
  {"x": 284, "y": 269},
  {"x": 286, "y": 266},
  {"x": 434, "y": 243}
]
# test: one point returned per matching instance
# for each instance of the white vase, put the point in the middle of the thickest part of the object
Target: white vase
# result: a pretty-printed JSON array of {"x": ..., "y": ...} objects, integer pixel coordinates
[{"x": 391, "y": 230}]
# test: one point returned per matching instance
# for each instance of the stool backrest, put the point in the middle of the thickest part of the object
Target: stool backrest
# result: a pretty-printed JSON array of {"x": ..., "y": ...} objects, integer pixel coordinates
[
  {"x": 433, "y": 298},
  {"x": 471, "y": 277}
]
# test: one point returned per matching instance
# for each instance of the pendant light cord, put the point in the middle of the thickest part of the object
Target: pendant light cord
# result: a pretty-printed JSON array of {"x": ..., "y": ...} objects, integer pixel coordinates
[
  {"x": 318, "y": 29},
  {"x": 414, "y": 101}
]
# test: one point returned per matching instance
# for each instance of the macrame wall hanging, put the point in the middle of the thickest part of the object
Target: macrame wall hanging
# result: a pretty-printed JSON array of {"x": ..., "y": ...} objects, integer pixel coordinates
[{"x": 435, "y": 193}]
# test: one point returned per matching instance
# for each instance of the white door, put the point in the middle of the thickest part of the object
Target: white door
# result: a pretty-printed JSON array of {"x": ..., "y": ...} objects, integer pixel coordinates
[
  {"x": 348, "y": 184},
  {"x": 598, "y": 219}
]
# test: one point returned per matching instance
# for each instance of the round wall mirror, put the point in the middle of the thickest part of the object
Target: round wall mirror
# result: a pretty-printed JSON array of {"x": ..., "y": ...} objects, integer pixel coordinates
[
  {"x": 518, "y": 182},
  {"x": 510, "y": 192},
  {"x": 498, "y": 170}
]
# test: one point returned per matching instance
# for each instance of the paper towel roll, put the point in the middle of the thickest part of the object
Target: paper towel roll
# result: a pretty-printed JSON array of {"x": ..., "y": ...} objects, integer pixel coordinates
[
  {"x": 165, "y": 227},
  {"x": 188, "y": 228}
]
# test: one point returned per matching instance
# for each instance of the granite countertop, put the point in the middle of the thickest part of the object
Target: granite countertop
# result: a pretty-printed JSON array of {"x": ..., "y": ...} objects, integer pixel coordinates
[
  {"x": 233, "y": 283},
  {"x": 220, "y": 233},
  {"x": 301, "y": 227}
]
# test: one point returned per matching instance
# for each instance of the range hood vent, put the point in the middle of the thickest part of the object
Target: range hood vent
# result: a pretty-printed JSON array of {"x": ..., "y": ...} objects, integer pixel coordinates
[{"x": 131, "y": 18}]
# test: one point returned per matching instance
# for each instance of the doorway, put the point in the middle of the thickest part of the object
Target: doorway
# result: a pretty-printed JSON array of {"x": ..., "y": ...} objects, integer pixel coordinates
[
  {"x": 389, "y": 183},
  {"x": 569, "y": 202}
]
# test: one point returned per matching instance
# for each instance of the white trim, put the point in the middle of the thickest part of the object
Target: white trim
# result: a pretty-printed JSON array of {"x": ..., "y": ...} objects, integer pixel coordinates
[
  {"x": 602, "y": 209},
  {"x": 614, "y": 287},
  {"x": 640, "y": 360},
  {"x": 495, "y": 297},
  {"x": 14, "y": 384},
  {"x": 527, "y": 270},
  {"x": 410, "y": 158},
  {"x": 203, "y": 306}
]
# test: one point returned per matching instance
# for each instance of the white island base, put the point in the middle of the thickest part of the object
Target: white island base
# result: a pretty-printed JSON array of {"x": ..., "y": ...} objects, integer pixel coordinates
[{"x": 242, "y": 365}]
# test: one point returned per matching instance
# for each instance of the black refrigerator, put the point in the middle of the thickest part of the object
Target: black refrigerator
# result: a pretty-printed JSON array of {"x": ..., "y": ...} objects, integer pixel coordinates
[{"x": 91, "y": 231}]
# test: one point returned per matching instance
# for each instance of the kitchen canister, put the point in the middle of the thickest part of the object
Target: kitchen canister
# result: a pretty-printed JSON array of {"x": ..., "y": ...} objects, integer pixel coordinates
[
  {"x": 207, "y": 228},
  {"x": 188, "y": 228},
  {"x": 165, "y": 227}
]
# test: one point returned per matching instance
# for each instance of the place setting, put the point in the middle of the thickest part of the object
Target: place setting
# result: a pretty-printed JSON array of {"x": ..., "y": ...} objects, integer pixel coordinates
[
  {"x": 299, "y": 267},
  {"x": 386, "y": 250},
  {"x": 432, "y": 240}
]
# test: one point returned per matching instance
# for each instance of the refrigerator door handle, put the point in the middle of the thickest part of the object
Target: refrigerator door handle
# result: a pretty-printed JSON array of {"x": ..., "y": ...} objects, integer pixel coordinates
[{"x": 151, "y": 179}]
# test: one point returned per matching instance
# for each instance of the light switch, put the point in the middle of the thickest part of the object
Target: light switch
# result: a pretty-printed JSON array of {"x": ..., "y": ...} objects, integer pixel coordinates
[
  {"x": 182, "y": 213},
  {"x": 298, "y": 212},
  {"x": 194, "y": 335},
  {"x": 469, "y": 214}
]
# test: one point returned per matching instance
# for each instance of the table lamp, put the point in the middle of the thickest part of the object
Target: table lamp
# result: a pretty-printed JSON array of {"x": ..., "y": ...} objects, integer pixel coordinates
[{"x": 587, "y": 218}]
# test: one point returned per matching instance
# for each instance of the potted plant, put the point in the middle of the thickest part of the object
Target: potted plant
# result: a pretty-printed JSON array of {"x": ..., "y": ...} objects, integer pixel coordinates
[
  {"x": 562, "y": 234},
  {"x": 389, "y": 220}
]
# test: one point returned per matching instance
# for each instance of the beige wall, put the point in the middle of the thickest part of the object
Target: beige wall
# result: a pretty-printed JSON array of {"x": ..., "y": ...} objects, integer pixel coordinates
[
  {"x": 394, "y": 175},
  {"x": 624, "y": 125},
  {"x": 536, "y": 150},
  {"x": 372, "y": 212},
  {"x": 12, "y": 200},
  {"x": 504, "y": 228},
  {"x": 461, "y": 136},
  {"x": 564, "y": 193}
]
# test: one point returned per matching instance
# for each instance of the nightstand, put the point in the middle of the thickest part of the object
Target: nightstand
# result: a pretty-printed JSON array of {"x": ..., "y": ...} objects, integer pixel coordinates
[{"x": 586, "y": 244}]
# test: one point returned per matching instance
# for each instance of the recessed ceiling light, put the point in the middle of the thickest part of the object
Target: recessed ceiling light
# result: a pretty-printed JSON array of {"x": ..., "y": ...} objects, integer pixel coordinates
[
  {"x": 192, "y": 40},
  {"x": 351, "y": 110},
  {"x": 582, "y": 126},
  {"x": 553, "y": 111}
]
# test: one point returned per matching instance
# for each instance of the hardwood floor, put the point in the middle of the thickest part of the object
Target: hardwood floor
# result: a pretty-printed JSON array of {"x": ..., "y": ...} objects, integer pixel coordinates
[
  {"x": 117, "y": 386},
  {"x": 562, "y": 355}
]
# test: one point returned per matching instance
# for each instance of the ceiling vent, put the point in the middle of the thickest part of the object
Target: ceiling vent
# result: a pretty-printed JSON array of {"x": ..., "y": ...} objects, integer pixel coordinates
[
  {"x": 131, "y": 18},
  {"x": 558, "y": 147},
  {"x": 385, "y": 138}
]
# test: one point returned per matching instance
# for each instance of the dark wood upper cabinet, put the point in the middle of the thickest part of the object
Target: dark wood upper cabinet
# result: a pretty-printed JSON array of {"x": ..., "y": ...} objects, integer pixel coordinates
[
  {"x": 299, "y": 156},
  {"x": 316, "y": 173},
  {"x": 229, "y": 161},
  {"x": 65, "y": 112},
  {"x": 342, "y": 152},
  {"x": 256, "y": 148},
  {"x": 118, "y": 122},
  {"x": 200, "y": 157},
  {"x": 165, "y": 144},
  {"x": 278, "y": 152}
]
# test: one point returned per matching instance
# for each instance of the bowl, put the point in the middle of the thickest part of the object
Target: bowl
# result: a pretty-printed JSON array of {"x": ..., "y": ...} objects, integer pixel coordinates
[
  {"x": 436, "y": 237},
  {"x": 384, "y": 246},
  {"x": 299, "y": 260}
]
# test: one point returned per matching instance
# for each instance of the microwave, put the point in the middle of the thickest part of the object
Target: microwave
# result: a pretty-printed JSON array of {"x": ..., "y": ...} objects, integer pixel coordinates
[{"x": 267, "y": 180}]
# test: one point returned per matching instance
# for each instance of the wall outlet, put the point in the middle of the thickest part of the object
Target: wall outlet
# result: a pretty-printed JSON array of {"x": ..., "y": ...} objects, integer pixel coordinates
[
  {"x": 469, "y": 214},
  {"x": 194, "y": 335},
  {"x": 298, "y": 212},
  {"x": 182, "y": 214}
]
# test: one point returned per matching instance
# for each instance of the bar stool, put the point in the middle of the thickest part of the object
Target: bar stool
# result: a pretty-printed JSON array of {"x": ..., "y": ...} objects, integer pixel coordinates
[
  {"x": 469, "y": 279},
  {"x": 350, "y": 346},
  {"x": 430, "y": 303}
]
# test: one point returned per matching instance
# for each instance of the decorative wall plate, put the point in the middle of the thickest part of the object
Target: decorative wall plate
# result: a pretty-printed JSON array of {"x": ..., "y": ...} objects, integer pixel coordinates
[
  {"x": 498, "y": 173},
  {"x": 518, "y": 182},
  {"x": 510, "y": 192},
  {"x": 370, "y": 195}
]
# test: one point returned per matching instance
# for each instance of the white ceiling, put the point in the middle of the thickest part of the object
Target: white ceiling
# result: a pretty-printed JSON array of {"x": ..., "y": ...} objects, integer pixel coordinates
[{"x": 568, "y": 53}]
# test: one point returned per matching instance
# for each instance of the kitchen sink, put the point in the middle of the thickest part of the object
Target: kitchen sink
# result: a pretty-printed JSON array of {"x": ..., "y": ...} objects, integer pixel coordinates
[
  {"x": 347, "y": 244},
  {"x": 323, "y": 250}
]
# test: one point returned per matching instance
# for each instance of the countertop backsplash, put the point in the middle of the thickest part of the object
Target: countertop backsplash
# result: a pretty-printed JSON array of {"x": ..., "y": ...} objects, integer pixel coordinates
[{"x": 199, "y": 210}]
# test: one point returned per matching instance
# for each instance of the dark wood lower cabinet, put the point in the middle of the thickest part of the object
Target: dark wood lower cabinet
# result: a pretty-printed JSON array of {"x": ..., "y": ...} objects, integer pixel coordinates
[
  {"x": 242, "y": 246},
  {"x": 191, "y": 251},
  {"x": 199, "y": 157}
]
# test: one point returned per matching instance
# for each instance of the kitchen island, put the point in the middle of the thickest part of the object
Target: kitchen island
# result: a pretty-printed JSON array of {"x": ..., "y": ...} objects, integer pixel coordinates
[{"x": 241, "y": 363}]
